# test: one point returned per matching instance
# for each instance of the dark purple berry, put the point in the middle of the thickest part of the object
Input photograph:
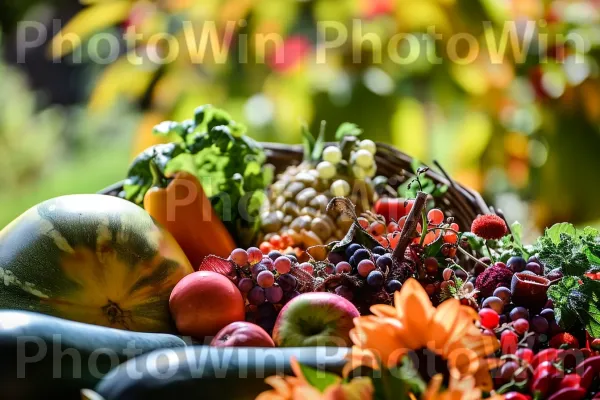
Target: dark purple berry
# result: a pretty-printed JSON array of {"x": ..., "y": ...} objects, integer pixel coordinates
[
  {"x": 361, "y": 254},
  {"x": 555, "y": 274},
  {"x": 336, "y": 258},
  {"x": 393, "y": 286},
  {"x": 379, "y": 250},
  {"x": 539, "y": 324},
  {"x": 375, "y": 278},
  {"x": 516, "y": 264},
  {"x": 535, "y": 268},
  {"x": 274, "y": 255},
  {"x": 384, "y": 262},
  {"x": 519, "y": 312},
  {"x": 351, "y": 249},
  {"x": 548, "y": 313}
]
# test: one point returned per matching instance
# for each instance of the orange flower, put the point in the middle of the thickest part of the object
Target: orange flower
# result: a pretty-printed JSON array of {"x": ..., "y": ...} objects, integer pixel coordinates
[
  {"x": 298, "y": 388},
  {"x": 414, "y": 326}
]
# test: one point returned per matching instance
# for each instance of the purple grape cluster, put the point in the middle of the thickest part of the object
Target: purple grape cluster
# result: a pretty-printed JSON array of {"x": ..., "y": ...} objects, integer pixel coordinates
[
  {"x": 265, "y": 279},
  {"x": 366, "y": 264}
]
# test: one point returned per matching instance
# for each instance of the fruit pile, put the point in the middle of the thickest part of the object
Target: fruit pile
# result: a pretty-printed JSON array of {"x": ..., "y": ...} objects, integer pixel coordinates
[{"x": 342, "y": 259}]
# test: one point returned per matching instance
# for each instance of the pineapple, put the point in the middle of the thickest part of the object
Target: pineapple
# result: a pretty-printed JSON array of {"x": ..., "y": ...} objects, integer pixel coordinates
[{"x": 294, "y": 217}]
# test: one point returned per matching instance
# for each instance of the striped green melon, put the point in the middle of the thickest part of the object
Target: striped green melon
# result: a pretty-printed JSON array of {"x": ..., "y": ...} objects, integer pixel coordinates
[{"x": 91, "y": 258}]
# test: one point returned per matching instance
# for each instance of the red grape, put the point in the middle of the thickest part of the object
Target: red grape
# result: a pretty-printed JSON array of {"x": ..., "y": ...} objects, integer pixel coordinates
[
  {"x": 364, "y": 267},
  {"x": 239, "y": 256},
  {"x": 308, "y": 267},
  {"x": 287, "y": 282},
  {"x": 265, "y": 279},
  {"x": 245, "y": 285},
  {"x": 343, "y": 267},
  {"x": 256, "y": 296},
  {"x": 283, "y": 265},
  {"x": 274, "y": 294},
  {"x": 521, "y": 326},
  {"x": 268, "y": 263},
  {"x": 254, "y": 255}
]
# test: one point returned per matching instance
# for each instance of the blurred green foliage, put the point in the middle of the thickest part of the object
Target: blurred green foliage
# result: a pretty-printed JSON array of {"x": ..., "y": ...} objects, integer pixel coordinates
[{"x": 51, "y": 151}]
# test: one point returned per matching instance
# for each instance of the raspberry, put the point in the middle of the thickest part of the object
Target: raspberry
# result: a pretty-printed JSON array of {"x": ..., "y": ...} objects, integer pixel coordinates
[
  {"x": 564, "y": 340},
  {"x": 492, "y": 278},
  {"x": 489, "y": 226}
]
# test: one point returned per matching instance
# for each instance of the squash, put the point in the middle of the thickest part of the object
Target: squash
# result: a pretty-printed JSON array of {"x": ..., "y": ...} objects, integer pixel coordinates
[
  {"x": 53, "y": 358},
  {"x": 91, "y": 258},
  {"x": 205, "y": 372}
]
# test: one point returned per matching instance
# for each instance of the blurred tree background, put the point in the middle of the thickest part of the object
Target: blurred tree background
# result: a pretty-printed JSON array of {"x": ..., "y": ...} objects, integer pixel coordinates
[{"x": 524, "y": 132}]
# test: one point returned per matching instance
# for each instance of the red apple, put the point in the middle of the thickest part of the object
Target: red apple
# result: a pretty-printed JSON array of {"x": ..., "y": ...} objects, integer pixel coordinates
[
  {"x": 242, "y": 334},
  {"x": 315, "y": 319}
]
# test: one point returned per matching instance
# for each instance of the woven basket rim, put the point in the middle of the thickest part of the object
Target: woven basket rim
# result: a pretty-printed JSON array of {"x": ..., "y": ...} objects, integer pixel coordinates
[{"x": 466, "y": 197}]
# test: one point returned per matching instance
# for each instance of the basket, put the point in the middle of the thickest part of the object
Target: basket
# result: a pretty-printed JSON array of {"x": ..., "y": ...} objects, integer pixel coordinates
[{"x": 458, "y": 201}]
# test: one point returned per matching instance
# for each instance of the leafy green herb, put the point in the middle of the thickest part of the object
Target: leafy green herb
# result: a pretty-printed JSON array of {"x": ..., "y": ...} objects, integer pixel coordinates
[
  {"x": 566, "y": 316},
  {"x": 228, "y": 164},
  {"x": 139, "y": 176},
  {"x": 577, "y": 304},
  {"x": 573, "y": 251},
  {"x": 512, "y": 245},
  {"x": 347, "y": 129}
]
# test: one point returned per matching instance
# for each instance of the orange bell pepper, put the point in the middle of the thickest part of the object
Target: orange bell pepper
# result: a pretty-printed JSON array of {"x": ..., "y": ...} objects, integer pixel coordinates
[{"x": 180, "y": 205}]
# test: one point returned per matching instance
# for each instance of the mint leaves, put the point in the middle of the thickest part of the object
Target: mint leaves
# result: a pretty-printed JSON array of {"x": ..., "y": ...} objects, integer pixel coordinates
[
  {"x": 576, "y": 303},
  {"x": 573, "y": 251}
]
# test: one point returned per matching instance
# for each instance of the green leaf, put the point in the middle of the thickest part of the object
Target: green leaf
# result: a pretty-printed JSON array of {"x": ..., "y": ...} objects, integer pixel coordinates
[
  {"x": 410, "y": 375},
  {"x": 475, "y": 242},
  {"x": 319, "y": 379},
  {"x": 517, "y": 232},
  {"x": 556, "y": 230},
  {"x": 139, "y": 176},
  {"x": 308, "y": 142},
  {"x": 347, "y": 129},
  {"x": 319, "y": 144},
  {"x": 566, "y": 315},
  {"x": 565, "y": 253}
]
